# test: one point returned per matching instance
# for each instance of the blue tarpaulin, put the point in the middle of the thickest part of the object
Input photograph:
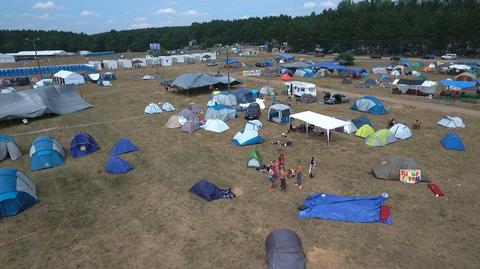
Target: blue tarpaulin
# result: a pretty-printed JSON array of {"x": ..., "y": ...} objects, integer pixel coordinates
[
  {"x": 30, "y": 71},
  {"x": 231, "y": 61},
  {"x": 459, "y": 84},
  {"x": 345, "y": 208}
]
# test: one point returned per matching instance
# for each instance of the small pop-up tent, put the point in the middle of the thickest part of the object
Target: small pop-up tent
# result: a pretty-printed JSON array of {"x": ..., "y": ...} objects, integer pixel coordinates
[
  {"x": 360, "y": 121},
  {"x": 249, "y": 137},
  {"x": 381, "y": 138},
  {"x": 190, "y": 127},
  {"x": 401, "y": 131},
  {"x": 117, "y": 165},
  {"x": 285, "y": 77},
  {"x": 365, "y": 131},
  {"x": 254, "y": 159},
  {"x": 17, "y": 192},
  {"x": 267, "y": 90},
  {"x": 215, "y": 125},
  {"x": 167, "y": 107},
  {"x": 253, "y": 125},
  {"x": 391, "y": 169},
  {"x": 8, "y": 147},
  {"x": 369, "y": 104},
  {"x": 152, "y": 108},
  {"x": 347, "y": 208},
  {"x": 209, "y": 191},
  {"x": 46, "y": 152},
  {"x": 83, "y": 144},
  {"x": 279, "y": 113},
  {"x": 123, "y": 146},
  {"x": 452, "y": 141},
  {"x": 451, "y": 122},
  {"x": 173, "y": 122},
  {"x": 284, "y": 250}
]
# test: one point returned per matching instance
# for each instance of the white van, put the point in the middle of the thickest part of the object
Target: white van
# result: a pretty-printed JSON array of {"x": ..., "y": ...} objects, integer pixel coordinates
[
  {"x": 298, "y": 88},
  {"x": 449, "y": 56}
]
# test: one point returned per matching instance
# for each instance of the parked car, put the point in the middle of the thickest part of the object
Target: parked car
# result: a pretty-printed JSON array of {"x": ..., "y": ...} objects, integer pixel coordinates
[
  {"x": 253, "y": 111},
  {"x": 428, "y": 56},
  {"x": 376, "y": 56},
  {"x": 449, "y": 56},
  {"x": 336, "y": 98}
]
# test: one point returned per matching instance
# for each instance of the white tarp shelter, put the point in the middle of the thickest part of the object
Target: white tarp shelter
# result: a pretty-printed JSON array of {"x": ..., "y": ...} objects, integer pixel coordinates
[
  {"x": 5, "y": 59},
  {"x": 321, "y": 121},
  {"x": 166, "y": 60},
  {"x": 110, "y": 64},
  {"x": 67, "y": 77},
  {"x": 97, "y": 64},
  {"x": 451, "y": 122},
  {"x": 125, "y": 63}
]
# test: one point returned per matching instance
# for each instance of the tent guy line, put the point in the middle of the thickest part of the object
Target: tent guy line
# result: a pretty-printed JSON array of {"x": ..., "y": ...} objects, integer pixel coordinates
[{"x": 77, "y": 126}]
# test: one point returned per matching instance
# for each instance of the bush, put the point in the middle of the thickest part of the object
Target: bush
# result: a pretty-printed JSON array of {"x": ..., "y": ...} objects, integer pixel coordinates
[{"x": 345, "y": 57}]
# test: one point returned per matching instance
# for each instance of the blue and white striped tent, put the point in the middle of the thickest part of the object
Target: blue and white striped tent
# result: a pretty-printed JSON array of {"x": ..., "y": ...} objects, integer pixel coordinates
[
  {"x": 17, "y": 192},
  {"x": 46, "y": 152}
]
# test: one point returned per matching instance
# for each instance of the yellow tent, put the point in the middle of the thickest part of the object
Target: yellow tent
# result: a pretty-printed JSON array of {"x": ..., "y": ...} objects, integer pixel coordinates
[{"x": 365, "y": 131}]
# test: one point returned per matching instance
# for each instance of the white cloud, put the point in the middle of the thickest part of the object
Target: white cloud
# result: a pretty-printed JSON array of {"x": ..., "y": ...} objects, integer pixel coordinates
[
  {"x": 165, "y": 11},
  {"x": 139, "y": 19},
  {"x": 110, "y": 21},
  {"x": 192, "y": 13},
  {"x": 309, "y": 5},
  {"x": 140, "y": 25},
  {"x": 46, "y": 5},
  {"x": 328, "y": 4},
  {"x": 88, "y": 13},
  {"x": 244, "y": 17}
]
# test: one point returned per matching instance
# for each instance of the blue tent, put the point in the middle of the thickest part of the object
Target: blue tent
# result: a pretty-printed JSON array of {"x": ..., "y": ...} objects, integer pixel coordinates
[
  {"x": 117, "y": 165},
  {"x": 17, "y": 192},
  {"x": 122, "y": 146},
  {"x": 232, "y": 61},
  {"x": 459, "y": 84},
  {"x": 244, "y": 96},
  {"x": 452, "y": 141},
  {"x": 360, "y": 121},
  {"x": 109, "y": 76},
  {"x": 46, "y": 152},
  {"x": 209, "y": 191},
  {"x": 249, "y": 137},
  {"x": 83, "y": 144},
  {"x": 284, "y": 56},
  {"x": 369, "y": 104},
  {"x": 345, "y": 208},
  {"x": 405, "y": 62}
]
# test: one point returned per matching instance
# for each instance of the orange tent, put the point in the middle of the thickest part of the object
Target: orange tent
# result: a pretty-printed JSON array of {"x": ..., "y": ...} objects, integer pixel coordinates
[
  {"x": 286, "y": 77},
  {"x": 427, "y": 69}
]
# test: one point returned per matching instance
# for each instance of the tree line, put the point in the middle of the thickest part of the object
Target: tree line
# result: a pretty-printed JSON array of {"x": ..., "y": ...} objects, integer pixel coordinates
[{"x": 364, "y": 27}]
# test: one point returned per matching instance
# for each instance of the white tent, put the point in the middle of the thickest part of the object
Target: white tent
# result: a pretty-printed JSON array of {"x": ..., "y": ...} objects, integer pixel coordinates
[
  {"x": 148, "y": 77},
  {"x": 110, "y": 64},
  {"x": 166, "y": 61},
  {"x": 215, "y": 125},
  {"x": 401, "y": 131},
  {"x": 152, "y": 109},
  {"x": 43, "y": 82},
  {"x": 105, "y": 83},
  {"x": 5, "y": 59},
  {"x": 324, "y": 122},
  {"x": 97, "y": 64},
  {"x": 125, "y": 63},
  {"x": 180, "y": 59},
  {"x": 260, "y": 102},
  {"x": 8, "y": 90},
  {"x": 67, "y": 77},
  {"x": 350, "y": 128},
  {"x": 253, "y": 125},
  {"x": 452, "y": 122},
  {"x": 94, "y": 77},
  {"x": 167, "y": 107}
]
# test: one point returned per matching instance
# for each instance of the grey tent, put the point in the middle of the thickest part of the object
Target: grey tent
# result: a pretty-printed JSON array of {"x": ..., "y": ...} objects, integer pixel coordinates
[
  {"x": 186, "y": 113},
  {"x": 224, "y": 113},
  {"x": 8, "y": 147},
  {"x": 284, "y": 250},
  {"x": 225, "y": 99},
  {"x": 34, "y": 103},
  {"x": 267, "y": 90},
  {"x": 391, "y": 169},
  {"x": 190, "y": 127},
  {"x": 191, "y": 81}
]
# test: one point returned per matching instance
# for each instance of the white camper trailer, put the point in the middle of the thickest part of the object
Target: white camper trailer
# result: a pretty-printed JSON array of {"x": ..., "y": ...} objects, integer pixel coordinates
[{"x": 298, "y": 88}]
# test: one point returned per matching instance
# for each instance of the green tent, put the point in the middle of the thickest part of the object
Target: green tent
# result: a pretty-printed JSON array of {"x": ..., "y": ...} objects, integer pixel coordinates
[
  {"x": 254, "y": 158},
  {"x": 381, "y": 138}
]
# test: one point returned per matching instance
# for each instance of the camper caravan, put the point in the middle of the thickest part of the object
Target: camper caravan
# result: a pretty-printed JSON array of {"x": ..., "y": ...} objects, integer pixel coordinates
[{"x": 298, "y": 88}]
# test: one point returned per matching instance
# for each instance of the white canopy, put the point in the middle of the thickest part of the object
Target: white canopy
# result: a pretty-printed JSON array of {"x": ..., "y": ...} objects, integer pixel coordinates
[
  {"x": 325, "y": 122},
  {"x": 67, "y": 77}
]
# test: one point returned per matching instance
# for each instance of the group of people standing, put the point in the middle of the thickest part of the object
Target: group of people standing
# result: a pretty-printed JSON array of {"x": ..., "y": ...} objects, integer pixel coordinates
[{"x": 276, "y": 171}]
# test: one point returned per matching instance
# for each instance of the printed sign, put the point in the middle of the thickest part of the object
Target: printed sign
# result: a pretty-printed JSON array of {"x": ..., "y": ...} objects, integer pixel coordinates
[
  {"x": 410, "y": 176},
  {"x": 154, "y": 46}
]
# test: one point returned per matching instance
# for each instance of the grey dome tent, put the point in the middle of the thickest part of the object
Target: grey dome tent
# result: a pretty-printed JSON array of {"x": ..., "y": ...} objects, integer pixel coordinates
[
  {"x": 391, "y": 169},
  {"x": 8, "y": 147},
  {"x": 267, "y": 90},
  {"x": 284, "y": 250},
  {"x": 225, "y": 99}
]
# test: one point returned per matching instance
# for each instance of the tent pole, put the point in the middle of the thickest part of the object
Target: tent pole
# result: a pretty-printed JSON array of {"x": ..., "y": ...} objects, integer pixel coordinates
[
  {"x": 306, "y": 132},
  {"x": 328, "y": 137}
]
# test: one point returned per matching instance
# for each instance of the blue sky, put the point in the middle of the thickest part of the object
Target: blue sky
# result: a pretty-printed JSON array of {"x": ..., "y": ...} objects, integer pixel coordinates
[{"x": 94, "y": 16}]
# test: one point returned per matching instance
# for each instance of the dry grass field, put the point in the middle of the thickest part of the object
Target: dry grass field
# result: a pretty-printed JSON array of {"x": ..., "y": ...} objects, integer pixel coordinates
[{"x": 87, "y": 218}]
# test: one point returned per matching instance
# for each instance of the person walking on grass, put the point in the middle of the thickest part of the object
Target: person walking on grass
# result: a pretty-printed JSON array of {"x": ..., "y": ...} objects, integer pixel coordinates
[
  {"x": 281, "y": 160},
  {"x": 271, "y": 176},
  {"x": 283, "y": 180},
  {"x": 299, "y": 175},
  {"x": 312, "y": 166}
]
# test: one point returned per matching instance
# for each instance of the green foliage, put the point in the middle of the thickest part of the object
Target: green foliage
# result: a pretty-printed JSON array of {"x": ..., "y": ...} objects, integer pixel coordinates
[
  {"x": 364, "y": 27},
  {"x": 347, "y": 57}
]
